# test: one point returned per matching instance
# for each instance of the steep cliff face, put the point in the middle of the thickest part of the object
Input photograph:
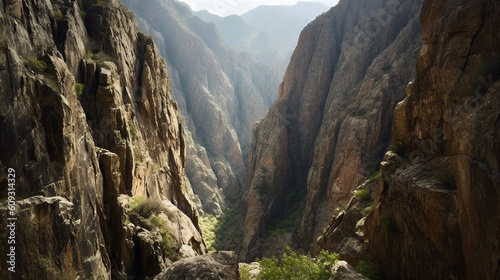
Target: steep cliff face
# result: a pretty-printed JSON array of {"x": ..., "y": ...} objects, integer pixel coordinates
[
  {"x": 437, "y": 213},
  {"x": 221, "y": 95},
  {"x": 331, "y": 123},
  {"x": 87, "y": 121},
  {"x": 443, "y": 198}
]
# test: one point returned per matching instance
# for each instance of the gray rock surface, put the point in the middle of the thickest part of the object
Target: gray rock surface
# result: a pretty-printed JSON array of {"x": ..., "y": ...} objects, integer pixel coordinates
[{"x": 221, "y": 265}]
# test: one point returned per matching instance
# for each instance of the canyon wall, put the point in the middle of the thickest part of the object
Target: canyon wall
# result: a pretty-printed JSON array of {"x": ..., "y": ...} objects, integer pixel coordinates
[
  {"x": 89, "y": 127},
  {"x": 437, "y": 211},
  {"x": 330, "y": 126},
  {"x": 220, "y": 93}
]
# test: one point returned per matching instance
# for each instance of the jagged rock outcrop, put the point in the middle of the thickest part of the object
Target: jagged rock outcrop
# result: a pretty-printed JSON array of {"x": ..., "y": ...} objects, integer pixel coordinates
[
  {"x": 221, "y": 95},
  {"x": 86, "y": 116},
  {"x": 331, "y": 124},
  {"x": 221, "y": 265},
  {"x": 443, "y": 199}
]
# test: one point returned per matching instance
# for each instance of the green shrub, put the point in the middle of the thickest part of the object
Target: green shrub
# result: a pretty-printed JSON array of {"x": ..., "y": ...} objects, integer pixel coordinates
[
  {"x": 363, "y": 195},
  {"x": 376, "y": 177},
  {"x": 370, "y": 270},
  {"x": 146, "y": 206},
  {"x": 79, "y": 89},
  {"x": 294, "y": 266},
  {"x": 367, "y": 210},
  {"x": 89, "y": 55},
  {"x": 160, "y": 223},
  {"x": 58, "y": 15},
  {"x": 132, "y": 129},
  {"x": 208, "y": 225},
  {"x": 136, "y": 201},
  {"x": 35, "y": 64},
  {"x": 245, "y": 272},
  {"x": 168, "y": 247}
]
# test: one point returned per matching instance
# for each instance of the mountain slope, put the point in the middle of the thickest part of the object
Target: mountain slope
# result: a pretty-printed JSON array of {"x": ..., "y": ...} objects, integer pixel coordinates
[
  {"x": 220, "y": 93},
  {"x": 269, "y": 33},
  {"x": 92, "y": 136},
  {"x": 331, "y": 123}
]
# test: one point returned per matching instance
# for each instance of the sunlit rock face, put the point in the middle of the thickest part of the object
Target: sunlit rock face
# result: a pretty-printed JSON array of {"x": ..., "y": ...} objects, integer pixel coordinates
[
  {"x": 221, "y": 94},
  {"x": 86, "y": 118},
  {"x": 332, "y": 122}
]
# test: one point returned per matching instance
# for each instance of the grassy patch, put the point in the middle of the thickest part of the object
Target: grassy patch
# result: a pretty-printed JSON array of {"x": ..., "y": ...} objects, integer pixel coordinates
[
  {"x": 294, "y": 266},
  {"x": 35, "y": 64},
  {"x": 136, "y": 201},
  {"x": 146, "y": 206},
  {"x": 363, "y": 195},
  {"x": 245, "y": 272},
  {"x": 370, "y": 270},
  {"x": 88, "y": 54},
  {"x": 132, "y": 130},
  {"x": 367, "y": 210},
  {"x": 79, "y": 89},
  {"x": 58, "y": 15}
]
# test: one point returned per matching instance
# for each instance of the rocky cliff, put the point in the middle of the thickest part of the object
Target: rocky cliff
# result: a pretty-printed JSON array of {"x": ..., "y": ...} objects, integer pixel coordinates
[
  {"x": 331, "y": 124},
  {"x": 221, "y": 95},
  {"x": 437, "y": 211},
  {"x": 91, "y": 132}
]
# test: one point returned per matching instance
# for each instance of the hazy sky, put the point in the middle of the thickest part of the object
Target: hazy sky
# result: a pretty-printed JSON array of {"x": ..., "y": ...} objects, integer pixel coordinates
[{"x": 228, "y": 7}]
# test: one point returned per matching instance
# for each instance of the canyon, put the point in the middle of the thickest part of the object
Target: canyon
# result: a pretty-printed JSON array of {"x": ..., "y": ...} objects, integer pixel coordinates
[{"x": 381, "y": 143}]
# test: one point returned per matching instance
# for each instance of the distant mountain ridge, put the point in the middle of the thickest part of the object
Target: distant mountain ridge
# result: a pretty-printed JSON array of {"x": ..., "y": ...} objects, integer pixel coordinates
[
  {"x": 269, "y": 33},
  {"x": 221, "y": 94}
]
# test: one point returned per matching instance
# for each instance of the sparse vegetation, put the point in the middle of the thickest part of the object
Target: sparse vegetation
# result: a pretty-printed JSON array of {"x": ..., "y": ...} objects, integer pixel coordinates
[
  {"x": 376, "y": 177},
  {"x": 88, "y": 54},
  {"x": 132, "y": 129},
  {"x": 35, "y": 64},
  {"x": 58, "y": 15},
  {"x": 296, "y": 266},
  {"x": 146, "y": 206},
  {"x": 136, "y": 201},
  {"x": 367, "y": 210},
  {"x": 168, "y": 247},
  {"x": 245, "y": 272},
  {"x": 363, "y": 195},
  {"x": 79, "y": 89},
  {"x": 224, "y": 229},
  {"x": 370, "y": 270},
  {"x": 208, "y": 225}
]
